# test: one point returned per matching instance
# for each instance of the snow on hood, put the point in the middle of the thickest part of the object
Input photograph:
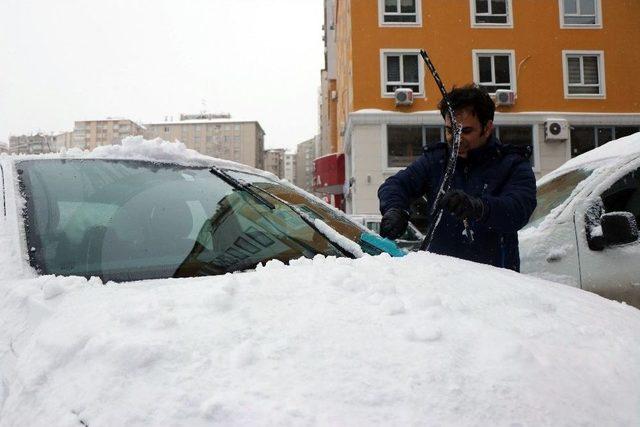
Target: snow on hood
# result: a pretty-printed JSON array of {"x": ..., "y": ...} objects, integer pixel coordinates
[
  {"x": 423, "y": 339},
  {"x": 622, "y": 147}
]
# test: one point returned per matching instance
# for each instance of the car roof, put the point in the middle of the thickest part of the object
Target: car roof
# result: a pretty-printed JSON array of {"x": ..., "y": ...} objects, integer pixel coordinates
[
  {"x": 617, "y": 152},
  {"x": 139, "y": 149}
]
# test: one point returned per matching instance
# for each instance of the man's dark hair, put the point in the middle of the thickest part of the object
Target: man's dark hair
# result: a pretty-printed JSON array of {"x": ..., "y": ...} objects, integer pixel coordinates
[{"x": 473, "y": 97}]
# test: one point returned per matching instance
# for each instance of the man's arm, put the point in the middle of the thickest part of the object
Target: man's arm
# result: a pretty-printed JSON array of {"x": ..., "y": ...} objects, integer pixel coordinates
[
  {"x": 510, "y": 211},
  {"x": 399, "y": 190}
]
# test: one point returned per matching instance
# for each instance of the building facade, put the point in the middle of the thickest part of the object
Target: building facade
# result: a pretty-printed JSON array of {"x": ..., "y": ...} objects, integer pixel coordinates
[
  {"x": 224, "y": 138},
  {"x": 559, "y": 71},
  {"x": 64, "y": 140},
  {"x": 305, "y": 154},
  {"x": 290, "y": 167},
  {"x": 89, "y": 134},
  {"x": 274, "y": 161},
  {"x": 32, "y": 144}
]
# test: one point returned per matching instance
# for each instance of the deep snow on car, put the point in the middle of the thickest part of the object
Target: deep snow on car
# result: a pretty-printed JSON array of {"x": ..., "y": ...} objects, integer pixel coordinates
[{"x": 330, "y": 340}]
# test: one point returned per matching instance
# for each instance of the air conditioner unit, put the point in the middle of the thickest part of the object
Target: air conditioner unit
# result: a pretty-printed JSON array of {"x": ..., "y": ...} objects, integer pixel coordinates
[
  {"x": 505, "y": 97},
  {"x": 556, "y": 130},
  {"x": 403, "y": 96}
]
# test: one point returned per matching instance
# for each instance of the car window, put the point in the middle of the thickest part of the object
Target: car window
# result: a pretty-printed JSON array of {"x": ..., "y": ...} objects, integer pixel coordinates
[
  {"x": 128, "y": 220},
  {"x": 314, "y": 208},
  {"x": 553, "y": 193},
  {"x": 374, "y": 226},
  {"x": 624, "y": 195}
]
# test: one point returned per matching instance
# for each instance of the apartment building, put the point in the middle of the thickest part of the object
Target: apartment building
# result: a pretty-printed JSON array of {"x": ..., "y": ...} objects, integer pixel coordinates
[
  {"x": 305, "y": 154},
  {"x": 65, "y": 139},
  {"x": 274, "y": 161},
  {"x": 215, "y": 135},
  {"x": 32, "y": 144},
  {"x": 89, "y": 134},
  {"x": 560, "y": 72},
  {"x": 4, "y": 147},
  {"x": 290, "y": 167}
]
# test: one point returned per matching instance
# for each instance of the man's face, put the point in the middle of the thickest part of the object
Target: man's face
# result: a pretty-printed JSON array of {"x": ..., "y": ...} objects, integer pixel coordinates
[{"x": 473, "y": 135}]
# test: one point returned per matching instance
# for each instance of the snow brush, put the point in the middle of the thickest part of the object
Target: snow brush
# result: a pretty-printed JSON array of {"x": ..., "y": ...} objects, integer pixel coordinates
[{"x": 435, "y": 212}]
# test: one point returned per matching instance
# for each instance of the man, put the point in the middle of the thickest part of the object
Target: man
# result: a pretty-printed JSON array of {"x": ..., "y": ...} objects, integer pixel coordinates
[{"x": 493, "y": 187}]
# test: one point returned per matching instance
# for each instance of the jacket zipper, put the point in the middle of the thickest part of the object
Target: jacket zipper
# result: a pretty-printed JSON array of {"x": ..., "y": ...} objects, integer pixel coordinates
[{"x": 503, "y": 255}]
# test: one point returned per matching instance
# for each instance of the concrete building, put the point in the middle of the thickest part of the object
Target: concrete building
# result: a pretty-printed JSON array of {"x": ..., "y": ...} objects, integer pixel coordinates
[
  {"x": 89, "y": 134},
  {"x": 4, "y": 147},
  {"x": 216, "y": 136},
  {"x": 32, "y": 144},
  {"x": 305, "y": 154},
  {"x": 290, "y": 167},
  {"x": 274, "y": 161},
  {"x": 559, "y": 71},
  {"x": 64, "y": 140}
]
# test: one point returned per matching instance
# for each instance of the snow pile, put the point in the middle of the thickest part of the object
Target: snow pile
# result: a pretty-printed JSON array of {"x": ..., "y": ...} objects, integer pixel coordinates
[
  {"x": 158, "y": 150},
  {"x": 423, "y": 339}
]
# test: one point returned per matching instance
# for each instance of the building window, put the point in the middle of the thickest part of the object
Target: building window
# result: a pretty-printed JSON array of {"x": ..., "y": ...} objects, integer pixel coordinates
[
  {"x": 399, "y": 12},
  {"x": 516, "y": 135},
  {"x": 491, "y": 13},
  {"x": 585, "y": 138},
  {"x": 401, "y": 70},
  {"x": 405, "y": 143},
  {"x": 494, "y": 70},
  {"x": 580, "y": 13},
  {"x": 584, "y": 74}
]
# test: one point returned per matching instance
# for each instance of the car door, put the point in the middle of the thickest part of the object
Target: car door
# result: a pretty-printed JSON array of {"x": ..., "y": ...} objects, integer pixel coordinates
[{"x": 613, "y": 272}]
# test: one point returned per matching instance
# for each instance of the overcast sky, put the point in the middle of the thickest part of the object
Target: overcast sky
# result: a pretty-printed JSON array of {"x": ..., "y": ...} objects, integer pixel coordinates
[{"x": 67, "y": 60}]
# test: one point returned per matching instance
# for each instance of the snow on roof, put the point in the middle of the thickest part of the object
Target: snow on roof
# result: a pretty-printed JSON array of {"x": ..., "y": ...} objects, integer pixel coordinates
[
  {"x": 623, "y": 147},
  {"x": 154, "y": 150},
  {"x": 424, "y": 339}
]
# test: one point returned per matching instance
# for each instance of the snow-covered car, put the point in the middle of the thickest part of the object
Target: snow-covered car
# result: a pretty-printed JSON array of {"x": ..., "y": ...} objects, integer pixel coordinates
[
  {"x": 409, "y": 241},
  {"x": 330, "y": 340},
  {"x": 128, "y": 218},
  {"x": 584, "y": 230}
]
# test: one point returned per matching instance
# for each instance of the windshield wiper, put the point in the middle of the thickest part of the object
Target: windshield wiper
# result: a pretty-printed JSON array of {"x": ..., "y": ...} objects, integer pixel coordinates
[
  {"x": 241, "y": 185},
  {"x": 306, "y": 219}
]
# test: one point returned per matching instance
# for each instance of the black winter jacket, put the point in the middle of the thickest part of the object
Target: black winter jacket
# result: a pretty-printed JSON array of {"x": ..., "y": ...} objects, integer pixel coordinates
[{"x": 499, "y": 174}]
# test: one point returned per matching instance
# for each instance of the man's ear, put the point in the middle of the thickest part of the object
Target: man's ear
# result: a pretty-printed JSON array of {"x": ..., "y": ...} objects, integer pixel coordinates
[{"x": 488, "y": 128}]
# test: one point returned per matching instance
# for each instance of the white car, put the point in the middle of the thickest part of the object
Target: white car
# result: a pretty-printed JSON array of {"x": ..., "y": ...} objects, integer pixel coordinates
[
  {"x": 584, "y": 230},
  {"x": 325, "y": 339}
]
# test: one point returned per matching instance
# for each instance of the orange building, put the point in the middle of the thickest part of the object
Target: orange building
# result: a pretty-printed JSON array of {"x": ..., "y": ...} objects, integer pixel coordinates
[{"x": 561, "y": 73}]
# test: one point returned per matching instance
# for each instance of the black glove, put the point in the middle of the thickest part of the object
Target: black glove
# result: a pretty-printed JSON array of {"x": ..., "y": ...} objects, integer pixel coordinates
[
  {"x": 462, "y": 205},
  {"x": 394, "y": 223}
]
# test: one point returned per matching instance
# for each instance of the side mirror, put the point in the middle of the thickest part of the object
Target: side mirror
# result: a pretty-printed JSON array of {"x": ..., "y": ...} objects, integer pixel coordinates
[{"x": 619, "y": 228}]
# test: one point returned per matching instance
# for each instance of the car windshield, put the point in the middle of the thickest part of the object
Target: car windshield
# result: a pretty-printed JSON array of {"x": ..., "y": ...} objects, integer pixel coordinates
[
  {"x": 553, "y": 193},
  {"x": 129, "y": 220}
]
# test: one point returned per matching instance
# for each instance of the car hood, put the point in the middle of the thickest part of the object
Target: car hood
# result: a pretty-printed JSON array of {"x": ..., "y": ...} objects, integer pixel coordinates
[{"x": 423, "y": 339}]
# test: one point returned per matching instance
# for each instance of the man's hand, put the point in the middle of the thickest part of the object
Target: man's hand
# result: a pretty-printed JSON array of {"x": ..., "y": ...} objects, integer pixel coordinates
[
  {"x": 462, "y": 205},
  {"x": 394, "y": 223}
]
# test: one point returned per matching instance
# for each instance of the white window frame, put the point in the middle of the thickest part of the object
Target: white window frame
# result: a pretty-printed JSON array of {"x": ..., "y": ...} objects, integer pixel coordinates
[
  {"x": 476, "y": 53},
  {"x": 383, "y": 71},
  {"x": 508, "y": 24},
  {"x": 601, "y": 74},
  {"x": 417, "y": 23},
  {"x": 595, "y": 26}
]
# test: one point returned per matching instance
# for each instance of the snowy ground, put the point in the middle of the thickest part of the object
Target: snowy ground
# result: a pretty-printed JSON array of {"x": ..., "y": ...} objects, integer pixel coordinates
[{"x": 424, "y": 339}]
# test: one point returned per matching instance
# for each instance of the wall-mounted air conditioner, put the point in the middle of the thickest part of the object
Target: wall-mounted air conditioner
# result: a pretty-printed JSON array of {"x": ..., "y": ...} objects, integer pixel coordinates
[
  {"x": 556, "y": 130},
  {"x": 403, "y": 96},
  {"x": 505, "y": 97}
]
